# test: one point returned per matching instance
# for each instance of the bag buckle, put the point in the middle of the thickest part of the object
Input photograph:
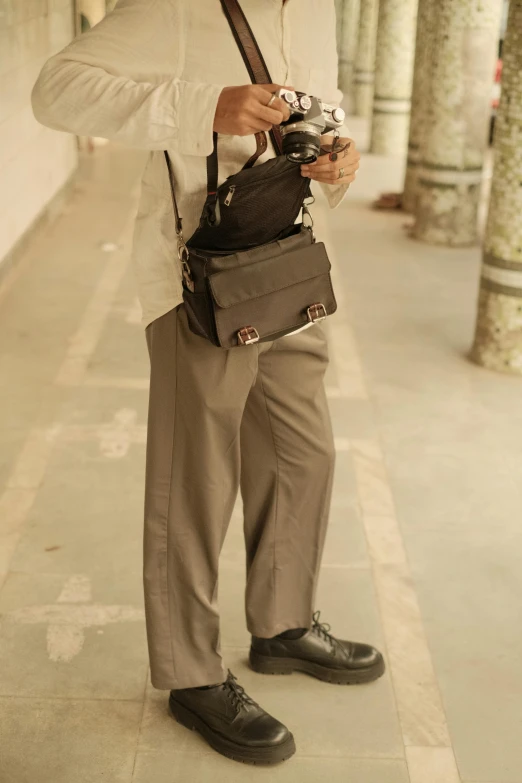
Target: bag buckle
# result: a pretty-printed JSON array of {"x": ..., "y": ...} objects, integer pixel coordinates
[
  {"x": 317, "y": 312},
  {"x": 308, "y": 221},
  {"x": 248, "y": 336},
  {"x": 183, "y": 255}
]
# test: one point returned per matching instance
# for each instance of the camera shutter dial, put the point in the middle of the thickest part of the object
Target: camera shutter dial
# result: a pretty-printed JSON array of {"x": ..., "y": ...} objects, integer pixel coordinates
[{"x": 288, "y": 96}]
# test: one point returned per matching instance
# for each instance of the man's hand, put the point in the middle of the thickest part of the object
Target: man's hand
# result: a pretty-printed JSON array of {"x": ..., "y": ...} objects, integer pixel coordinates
[
  {"x": 242, "y": 111},
  {"x": 335, "y": 172}
]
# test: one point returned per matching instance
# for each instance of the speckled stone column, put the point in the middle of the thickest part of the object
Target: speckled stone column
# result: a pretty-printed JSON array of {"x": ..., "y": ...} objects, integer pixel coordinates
[
  {"x": 393, "y": 76},
  {"x": 427, "y": 8},
  {"x": 498, "y": 340},
  {"x": 364, "y": 79},
  {"x": 458, "y": 108},
  {"x": 350, "y": 29}
]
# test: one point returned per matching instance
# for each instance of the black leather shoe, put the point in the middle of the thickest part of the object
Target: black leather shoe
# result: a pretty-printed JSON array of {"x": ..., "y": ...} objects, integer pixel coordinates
[
  {"x": 320, "y": 654},
  {"x": 232, "y": 723}
]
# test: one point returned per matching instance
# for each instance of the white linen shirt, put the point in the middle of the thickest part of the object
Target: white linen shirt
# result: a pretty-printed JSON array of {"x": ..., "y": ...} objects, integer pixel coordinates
[{"x": 150, "y": 76}]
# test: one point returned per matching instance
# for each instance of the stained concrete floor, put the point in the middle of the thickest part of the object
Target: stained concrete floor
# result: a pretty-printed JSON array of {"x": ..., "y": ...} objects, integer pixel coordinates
[{"x": 423, "y": 552}]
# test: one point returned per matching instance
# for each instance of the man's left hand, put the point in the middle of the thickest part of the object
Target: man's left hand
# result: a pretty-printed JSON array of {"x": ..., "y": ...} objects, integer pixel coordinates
[{"x": 341, "y": 171}]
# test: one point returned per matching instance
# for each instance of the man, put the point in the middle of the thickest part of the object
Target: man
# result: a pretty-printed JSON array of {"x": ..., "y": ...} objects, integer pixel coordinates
[{"x": 162, "y": 74}]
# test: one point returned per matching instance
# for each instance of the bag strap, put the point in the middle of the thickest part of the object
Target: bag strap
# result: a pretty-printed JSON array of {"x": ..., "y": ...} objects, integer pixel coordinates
[
  {"x": 259, "y": 74},
  {"x": 179, "y": 220},
  {"x": 251, "y": 54}
]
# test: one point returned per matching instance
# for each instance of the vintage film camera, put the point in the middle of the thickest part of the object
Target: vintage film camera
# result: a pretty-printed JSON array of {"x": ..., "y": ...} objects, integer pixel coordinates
[{"x": 309, "y": 119}]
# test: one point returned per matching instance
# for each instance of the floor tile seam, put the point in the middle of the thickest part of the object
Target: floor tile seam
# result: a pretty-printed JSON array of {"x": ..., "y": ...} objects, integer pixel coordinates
[
  {"x": 142, "y": 384},
  {"x": 209, "y": 753},
  {"x": 83, "y": 699},
  {"x": 114, "y": 382},
  {"x": 445, "y": 766},
  {"x": 57, "y": 575},
  {"x": 85, "y": 433},
  {"x": 338, "y": 566},
  {"x": 400, "y": 759},
  {"x": 377, "y": 438}
]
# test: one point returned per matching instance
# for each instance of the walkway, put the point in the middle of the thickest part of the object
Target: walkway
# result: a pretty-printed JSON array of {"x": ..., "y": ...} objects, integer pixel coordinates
[{"x": 423, "y": 552}]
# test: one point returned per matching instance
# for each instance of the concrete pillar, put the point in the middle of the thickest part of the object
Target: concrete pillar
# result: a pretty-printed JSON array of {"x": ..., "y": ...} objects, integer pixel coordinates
[
  {"x": 421, "y": 76},
  {"x": 498, "y": 340},
  {"x": 350, "y": 29},
  {"x": 458, "y": 108},
  {"x": 364, "y": 79},
  {"x": 339, "y": 14},
  {"x": 393, "y": 76}
]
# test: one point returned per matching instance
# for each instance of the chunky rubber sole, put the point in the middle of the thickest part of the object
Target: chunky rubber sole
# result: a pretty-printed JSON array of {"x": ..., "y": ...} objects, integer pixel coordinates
[
  {"x": 265, "y": 664},
  {"x": 271, "y": 754}
]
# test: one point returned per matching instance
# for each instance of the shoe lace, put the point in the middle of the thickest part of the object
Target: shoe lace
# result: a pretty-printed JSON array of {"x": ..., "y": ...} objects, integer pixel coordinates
[
  {"x": 237, "y": 693},
  {"x": 323, "y": 630}
]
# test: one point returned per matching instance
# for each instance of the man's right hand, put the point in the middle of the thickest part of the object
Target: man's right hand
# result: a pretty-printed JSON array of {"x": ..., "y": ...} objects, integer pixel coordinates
[{"x": 242, "y": 111}]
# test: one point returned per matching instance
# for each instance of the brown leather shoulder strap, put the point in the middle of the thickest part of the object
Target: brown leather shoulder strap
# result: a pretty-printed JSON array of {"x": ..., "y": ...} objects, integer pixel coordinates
[
  {"x": 247, "y": 43},
  {"x": 259, "y": 74},
  {"x": 261, "y": 148},
  {"x": 251, "y": 53}
]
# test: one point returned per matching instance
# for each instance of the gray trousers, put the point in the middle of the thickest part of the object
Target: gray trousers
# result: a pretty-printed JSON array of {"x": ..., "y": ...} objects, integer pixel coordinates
[{"x": 254, "y": 417}]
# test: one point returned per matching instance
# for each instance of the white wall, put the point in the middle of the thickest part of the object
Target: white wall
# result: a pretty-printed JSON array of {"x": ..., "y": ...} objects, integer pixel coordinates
[{"x": 34, "y": 161}]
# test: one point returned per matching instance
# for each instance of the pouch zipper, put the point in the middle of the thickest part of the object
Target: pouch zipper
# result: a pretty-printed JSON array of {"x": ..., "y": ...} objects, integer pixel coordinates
[
  {"x": 255, "y": 181},
  {"x": 233, "y": 188},
  {"x": 227, "y": 202}
]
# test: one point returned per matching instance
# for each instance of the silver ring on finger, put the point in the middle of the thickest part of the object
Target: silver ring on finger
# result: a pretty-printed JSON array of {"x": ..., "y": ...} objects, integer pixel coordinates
[
  {"x": 341, "y": 173},
  {"x": 272, "y": 99}
]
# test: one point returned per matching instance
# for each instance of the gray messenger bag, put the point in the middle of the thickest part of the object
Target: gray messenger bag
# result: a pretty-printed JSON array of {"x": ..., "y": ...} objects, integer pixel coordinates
[{"x": 250, "y": 272}]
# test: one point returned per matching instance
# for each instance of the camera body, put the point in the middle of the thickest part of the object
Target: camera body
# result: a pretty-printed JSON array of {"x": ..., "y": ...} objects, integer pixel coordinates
[{"x": 309, "y": 119}]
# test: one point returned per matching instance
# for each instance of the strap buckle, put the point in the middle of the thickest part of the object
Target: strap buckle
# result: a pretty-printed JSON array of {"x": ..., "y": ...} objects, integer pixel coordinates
[
  {"x": 248, "y": 336},
  {"x": 309, "y": 223},
  {"x": 317, "y": 312},
  {"x": 183, "y": 255}
]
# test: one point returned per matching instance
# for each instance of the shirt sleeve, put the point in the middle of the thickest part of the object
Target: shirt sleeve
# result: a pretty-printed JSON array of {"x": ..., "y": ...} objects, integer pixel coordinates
[
  {"x": 333, "y": 95},
  {"x": 118, "y": 81}
]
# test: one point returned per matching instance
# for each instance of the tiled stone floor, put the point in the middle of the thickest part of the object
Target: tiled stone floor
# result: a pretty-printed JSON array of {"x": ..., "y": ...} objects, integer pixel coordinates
[{"x": 423, "y": 551}]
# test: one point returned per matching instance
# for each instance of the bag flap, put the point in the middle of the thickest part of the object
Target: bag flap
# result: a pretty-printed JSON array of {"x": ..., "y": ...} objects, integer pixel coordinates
[{"x": 253, "y": 280}]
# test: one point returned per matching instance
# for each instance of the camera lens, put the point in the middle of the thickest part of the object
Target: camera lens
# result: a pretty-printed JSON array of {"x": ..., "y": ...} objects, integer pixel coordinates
[{"x": 302, "y": 147}]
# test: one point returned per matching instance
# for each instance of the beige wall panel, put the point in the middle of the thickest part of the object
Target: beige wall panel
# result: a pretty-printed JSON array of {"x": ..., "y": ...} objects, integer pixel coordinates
[{"x": 34, "y": 162}]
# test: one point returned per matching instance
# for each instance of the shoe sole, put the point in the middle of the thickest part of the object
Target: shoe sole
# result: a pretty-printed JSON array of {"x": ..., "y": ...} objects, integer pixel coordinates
[
  {"x": 264, "y": 664},
  {"x": 273, "y": 754}
]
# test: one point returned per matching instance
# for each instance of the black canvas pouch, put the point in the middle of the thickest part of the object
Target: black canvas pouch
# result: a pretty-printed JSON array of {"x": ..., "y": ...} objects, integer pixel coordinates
[{"x": 254, "y": 206}]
